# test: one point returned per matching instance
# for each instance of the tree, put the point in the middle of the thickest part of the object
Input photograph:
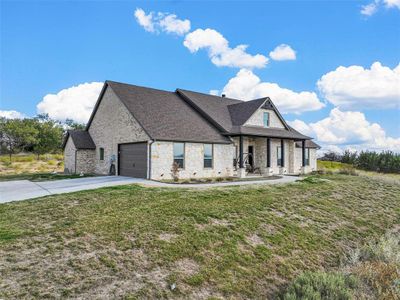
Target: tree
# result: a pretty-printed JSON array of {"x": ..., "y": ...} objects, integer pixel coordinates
[
  {"x": 71, "y": 124},
  {"x": 49, "y": 135},
  {"x": 16, "y": 134}
]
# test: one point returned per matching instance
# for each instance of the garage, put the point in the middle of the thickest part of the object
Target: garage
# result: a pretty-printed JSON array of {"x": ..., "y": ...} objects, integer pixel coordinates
[{"x": 132, "y": 160}]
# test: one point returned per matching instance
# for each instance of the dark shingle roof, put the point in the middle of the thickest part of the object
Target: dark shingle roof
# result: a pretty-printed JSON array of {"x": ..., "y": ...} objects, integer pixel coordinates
[
  {"x": 241, "y": 112},
  {"x": 165, "y": 115},
  {"x": 309, "y": 144},
  {"x": 81, "y": 139},
  {"x": 213, "y": 108}
]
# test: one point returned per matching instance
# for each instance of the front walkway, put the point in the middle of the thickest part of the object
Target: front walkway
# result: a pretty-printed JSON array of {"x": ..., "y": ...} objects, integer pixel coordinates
[{"x": 24, "y": 189}]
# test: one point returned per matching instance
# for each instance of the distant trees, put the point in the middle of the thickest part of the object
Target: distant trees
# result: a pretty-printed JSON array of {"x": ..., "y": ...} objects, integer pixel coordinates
[
  {"x": 39, "y": 135},
  {"x": 385, "y": 161}
]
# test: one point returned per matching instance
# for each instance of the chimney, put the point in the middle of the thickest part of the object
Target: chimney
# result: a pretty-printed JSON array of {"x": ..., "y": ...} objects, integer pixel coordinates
[{"x": 223, "y": 95}]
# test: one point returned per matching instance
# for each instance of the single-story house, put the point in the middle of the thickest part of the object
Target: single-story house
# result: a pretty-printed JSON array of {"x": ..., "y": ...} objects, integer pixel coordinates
[{"x": 141, "y": 132}]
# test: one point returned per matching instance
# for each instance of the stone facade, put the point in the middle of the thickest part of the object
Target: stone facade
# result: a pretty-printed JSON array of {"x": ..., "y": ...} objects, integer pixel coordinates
[
  {"x": 78, "y": 161},
  {"x": 162, "y": 158},
  {"x": 113, "y": 124},
  {"x": 85, "y": 161},
  {"x": 292, "y": 156},
  {"x": 69, "y": 156},
  {"x": 257, "y": 119}
]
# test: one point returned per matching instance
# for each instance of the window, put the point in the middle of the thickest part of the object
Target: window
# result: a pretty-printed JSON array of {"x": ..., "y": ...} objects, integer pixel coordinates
[
  {"x": 279, "y": 156},
  {"x": 266, "y": 119},
  {"x": 208, "y": 155},
  {"x": 179, "y": 154},
  {"x": 307, "y": 156},
  {"x": 101, "y": 153}
]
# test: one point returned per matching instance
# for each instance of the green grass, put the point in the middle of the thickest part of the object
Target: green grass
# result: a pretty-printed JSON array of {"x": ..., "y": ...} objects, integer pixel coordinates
[
  {"x": 331, "y": 165},
  {"x": 234, "y": 242},
  {"x": 40, "y": 176}
]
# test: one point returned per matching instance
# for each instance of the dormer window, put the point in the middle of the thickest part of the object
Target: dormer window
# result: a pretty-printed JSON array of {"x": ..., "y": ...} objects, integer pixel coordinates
[{"x": 266, "y": 119}]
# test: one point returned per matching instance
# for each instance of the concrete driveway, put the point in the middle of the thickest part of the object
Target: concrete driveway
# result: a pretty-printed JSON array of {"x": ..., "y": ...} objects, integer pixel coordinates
[{"x": 25, "y": 189}]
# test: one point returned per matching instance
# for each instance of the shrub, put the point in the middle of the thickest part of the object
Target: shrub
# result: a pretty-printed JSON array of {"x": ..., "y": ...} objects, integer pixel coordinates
[
  {"x": 321, "y": 285},
  {"x": 175, "y": 171},
  {"x": 219, "y": 179},
  {"x": 348, "y": 170}
]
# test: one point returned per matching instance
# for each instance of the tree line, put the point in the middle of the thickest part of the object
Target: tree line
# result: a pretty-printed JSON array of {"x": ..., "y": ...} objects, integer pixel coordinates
[
  {"x": 38, "y": 135},
  {"x": 385, "y": 161}
]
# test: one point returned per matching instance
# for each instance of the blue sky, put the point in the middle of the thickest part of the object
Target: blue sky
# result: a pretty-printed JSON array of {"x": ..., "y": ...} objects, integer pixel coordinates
[{"x": 47, "y": 47}]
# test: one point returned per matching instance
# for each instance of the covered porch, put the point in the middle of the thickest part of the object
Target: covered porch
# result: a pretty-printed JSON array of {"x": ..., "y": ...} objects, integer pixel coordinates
[{"x": 257, "y": 156}]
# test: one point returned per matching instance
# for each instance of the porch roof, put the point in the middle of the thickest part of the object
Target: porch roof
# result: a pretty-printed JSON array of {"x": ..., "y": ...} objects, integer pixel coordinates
[{"x": 268, "y": 132}]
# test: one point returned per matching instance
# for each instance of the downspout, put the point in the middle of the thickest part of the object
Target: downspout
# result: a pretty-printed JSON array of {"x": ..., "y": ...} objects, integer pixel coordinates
[{"x": 149, "y": 159}]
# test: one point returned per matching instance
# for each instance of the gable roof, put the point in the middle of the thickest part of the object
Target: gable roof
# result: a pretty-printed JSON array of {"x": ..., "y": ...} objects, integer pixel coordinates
[
  {"x": 241, "y": 112},
  {"x": 191, "y": 116},
  {"x": 164, "y": 115},
  {"x": 81, "y": 138}
]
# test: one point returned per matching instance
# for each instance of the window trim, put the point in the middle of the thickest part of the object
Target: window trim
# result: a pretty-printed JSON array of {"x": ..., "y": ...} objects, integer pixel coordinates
[
  {"x": 268, "y": 120},
  {"x": 184, "y": 154},
  {"x": 212, "y": 156},
  {"x": 307, "y": 156},
  {"x": 278, "y": 153},
  {"x": 101, "y": 154}
]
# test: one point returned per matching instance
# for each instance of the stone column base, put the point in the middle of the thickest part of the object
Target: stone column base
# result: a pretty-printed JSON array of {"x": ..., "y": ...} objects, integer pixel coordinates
[
  {"x": 268, "y": 172},
  {"x": 304, "y": 170},
  {"x": 241, "y": 172},
  {"x": 282, "y": 171}
]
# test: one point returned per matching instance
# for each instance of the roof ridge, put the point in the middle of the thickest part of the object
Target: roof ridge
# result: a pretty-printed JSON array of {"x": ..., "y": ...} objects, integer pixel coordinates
[
  {"x": 210, "y": 95},
  {"x": 139, "y": 86}
]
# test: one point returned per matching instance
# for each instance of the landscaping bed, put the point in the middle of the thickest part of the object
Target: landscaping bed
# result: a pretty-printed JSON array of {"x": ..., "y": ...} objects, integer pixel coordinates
[{"x": 217, "y": 180}]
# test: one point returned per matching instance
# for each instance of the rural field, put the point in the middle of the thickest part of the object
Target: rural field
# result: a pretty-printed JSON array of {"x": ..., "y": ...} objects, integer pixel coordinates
[
  {"x": 29, "y": 164},
  {"x": 234, "y": 242}
]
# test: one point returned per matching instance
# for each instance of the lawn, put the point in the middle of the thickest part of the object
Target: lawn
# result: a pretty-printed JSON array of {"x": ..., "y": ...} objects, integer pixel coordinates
[{"x": 234, "y": 242}]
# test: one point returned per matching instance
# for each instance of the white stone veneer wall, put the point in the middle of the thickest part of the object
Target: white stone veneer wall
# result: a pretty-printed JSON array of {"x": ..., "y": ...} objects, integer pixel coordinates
[
  {"x": 162, "y": 159},
  {"x": 257, "y": 119},
  {"x": 299, "y": 161},
  {"x": 113, "y": 124},
  {"x": 69, "y": 156}
]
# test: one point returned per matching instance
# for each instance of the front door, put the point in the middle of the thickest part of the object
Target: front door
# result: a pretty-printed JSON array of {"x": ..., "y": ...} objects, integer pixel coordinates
[{"x": 251, "y": 156}]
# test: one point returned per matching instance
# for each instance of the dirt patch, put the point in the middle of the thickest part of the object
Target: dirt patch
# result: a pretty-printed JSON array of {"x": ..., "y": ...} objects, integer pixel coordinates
[
  {"x": 167, "y": 237},
  {"x": 187, "y": 266},
  {"x": 254, "y": 240},
  {"x": 268, "y": 228},
  {"x": 220, "y": 222}
]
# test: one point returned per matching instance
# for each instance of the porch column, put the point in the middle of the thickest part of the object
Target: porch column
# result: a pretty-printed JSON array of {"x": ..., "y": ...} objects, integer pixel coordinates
[
  {"x": 303, "y": 156},
  {"x": 242, "y": 170},
  {"x": 268, "y": 170},
  {"x": 240, "y": 151},
  {"x": 283, "y": 153}
]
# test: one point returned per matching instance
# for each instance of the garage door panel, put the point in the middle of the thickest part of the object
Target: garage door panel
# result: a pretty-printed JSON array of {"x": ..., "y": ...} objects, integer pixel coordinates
[{"x": 133, "y": 160}]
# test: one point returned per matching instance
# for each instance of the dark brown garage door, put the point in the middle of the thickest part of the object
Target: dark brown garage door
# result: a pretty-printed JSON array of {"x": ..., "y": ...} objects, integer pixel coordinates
[{"x": 132, "y": 160}]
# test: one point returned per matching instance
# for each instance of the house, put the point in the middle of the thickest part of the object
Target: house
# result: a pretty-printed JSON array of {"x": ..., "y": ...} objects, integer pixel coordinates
[{"x": 141, "y": 132}]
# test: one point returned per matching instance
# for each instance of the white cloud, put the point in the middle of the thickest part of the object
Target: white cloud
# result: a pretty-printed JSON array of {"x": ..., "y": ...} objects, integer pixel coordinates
[
  {"x": 356, "y": 87},
  {"x": 171, "y": 24},
  {"x": 220, "y": 52},
  {"x": 373, "y": 7},
  {"x": 349, "y": 130},
  {"x": 392, "y": 3},
  {"x": 214, "y": 92},
  {"x": 75, "y": 103},
  {"x": 168, "y": 23},
  {"x": 283, "y": 52},
  {"x": 369, "y": 9},
  {"x": 246, "y": 86},
  {"x": 146, "y": 21},
  {"x": 11, "y": 114}
]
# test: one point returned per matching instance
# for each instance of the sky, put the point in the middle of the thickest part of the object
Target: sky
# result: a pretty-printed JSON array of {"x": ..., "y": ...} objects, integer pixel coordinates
[{"x": 331, "y": 67}]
